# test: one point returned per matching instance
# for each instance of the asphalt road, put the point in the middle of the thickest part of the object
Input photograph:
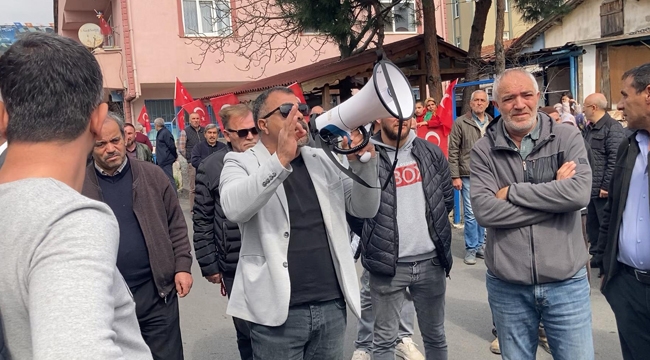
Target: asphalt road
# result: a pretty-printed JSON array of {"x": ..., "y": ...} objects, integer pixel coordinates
[{"x": 208, "y": 333}]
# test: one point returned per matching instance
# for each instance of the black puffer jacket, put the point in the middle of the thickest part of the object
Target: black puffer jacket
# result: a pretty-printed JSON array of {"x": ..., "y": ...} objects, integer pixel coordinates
[
  {"x": 380, "y": 235},
  {"x": 217, "y": 240},
  {"x": 603, "y": 139}
]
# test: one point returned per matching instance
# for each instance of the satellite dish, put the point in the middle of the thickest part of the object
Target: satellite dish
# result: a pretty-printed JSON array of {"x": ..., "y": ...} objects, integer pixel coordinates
[{"x": 91, "y": 35}]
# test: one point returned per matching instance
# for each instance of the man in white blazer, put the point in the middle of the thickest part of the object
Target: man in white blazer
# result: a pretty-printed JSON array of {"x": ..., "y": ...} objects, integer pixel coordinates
[{"x": 296, "y": 276}]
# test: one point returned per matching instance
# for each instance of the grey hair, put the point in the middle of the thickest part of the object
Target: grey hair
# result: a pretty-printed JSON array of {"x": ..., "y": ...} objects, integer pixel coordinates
[
  {"x": 211, "y": 126},
  {"x": 601, "y": 103},
  {"x": 138, "y": 127},
  {"x": 476, "y": 92},
  {"x": 640, "y": 77},
  {"x": 159, "y": 122},
  {"x": 497, "y": 81},
  {"x": 113, "y": 116}
]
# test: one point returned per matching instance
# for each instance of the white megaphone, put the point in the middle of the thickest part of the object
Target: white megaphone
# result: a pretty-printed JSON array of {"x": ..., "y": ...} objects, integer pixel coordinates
[{"x": 387, "y": 94}]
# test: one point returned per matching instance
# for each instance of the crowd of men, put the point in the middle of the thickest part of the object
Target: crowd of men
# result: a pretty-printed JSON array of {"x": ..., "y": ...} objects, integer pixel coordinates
[{"x": 96, "y": 253}]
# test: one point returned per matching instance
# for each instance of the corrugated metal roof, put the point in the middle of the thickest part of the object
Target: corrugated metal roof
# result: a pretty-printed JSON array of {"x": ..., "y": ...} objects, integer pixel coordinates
[{"x": 335, "y": 65}]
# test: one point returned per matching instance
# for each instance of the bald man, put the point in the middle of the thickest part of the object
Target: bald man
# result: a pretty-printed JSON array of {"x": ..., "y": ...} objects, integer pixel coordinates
[{"x": 603, "y": 134}]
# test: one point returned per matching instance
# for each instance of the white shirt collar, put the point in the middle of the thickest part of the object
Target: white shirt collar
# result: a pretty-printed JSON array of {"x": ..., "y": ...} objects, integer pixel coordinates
[{"x": 3, "y": 147}]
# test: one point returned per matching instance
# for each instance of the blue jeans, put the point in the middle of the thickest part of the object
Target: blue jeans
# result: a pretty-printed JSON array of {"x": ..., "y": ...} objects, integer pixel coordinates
[
  {"x": 474, "y": 233},
  {"x": 367, "y": 319},
  {"x": 426, "y": 282},
  {"x": 563, "y": 306},
  {"x": 312, "y": 332}
]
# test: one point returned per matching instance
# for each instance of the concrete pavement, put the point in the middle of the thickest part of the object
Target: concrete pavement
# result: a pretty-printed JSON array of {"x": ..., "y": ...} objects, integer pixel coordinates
[{"x": 208, "y": 333}]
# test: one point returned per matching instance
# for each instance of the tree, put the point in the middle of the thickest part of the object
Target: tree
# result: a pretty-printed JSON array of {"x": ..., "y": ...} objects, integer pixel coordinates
[
  {"x": 534, "y": 11},
  {"x": 432, "y": 57},
  {"x": 476, "y": 36},
  {"x": 271, "y": 30},
  {"x": 499, "y": 51}
]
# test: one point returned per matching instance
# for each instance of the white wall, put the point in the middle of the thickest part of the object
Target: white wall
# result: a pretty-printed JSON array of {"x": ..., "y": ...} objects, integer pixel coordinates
[
  {"x": 581, "y": 24},
  {"x": 588, "y": 71},
  {"x": 637, "y": 16}
]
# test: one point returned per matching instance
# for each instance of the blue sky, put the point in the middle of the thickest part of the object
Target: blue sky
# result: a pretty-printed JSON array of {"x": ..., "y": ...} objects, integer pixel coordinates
[{"x": 38, "y": 12}]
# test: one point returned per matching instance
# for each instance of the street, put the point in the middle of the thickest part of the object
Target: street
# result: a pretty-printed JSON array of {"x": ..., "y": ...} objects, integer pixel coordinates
[{"x": 208, "y": 333}]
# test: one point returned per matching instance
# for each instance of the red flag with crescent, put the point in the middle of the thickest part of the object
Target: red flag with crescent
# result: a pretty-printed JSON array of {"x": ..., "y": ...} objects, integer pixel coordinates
[
  {"x": 181, "y": 97},
  {"x": 198, "y": 107},
  {"x": 439, "y": 134},
  {"x": 297, "y": 89},
  {"x": 143, "y": 119},
  {"x": 219, "y": 103}
]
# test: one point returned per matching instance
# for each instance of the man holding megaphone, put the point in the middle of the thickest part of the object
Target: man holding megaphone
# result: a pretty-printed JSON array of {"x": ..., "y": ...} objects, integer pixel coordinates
[{"x": 296, "y": 276}]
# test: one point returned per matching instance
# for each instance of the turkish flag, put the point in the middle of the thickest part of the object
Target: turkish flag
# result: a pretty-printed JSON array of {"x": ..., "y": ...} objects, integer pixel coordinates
[
  {"x": 297, "y": 89},
  {"x": 198, "y": 107},
  {"x": 219, "y": 103},
  {"x": 181, "y": 97},
  {"x": 439, "y": 134},
  {"x": 143, "y": 119}
]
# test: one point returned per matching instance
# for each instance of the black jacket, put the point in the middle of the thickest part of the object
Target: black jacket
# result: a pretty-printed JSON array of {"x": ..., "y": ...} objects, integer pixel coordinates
[
  {"x": 193, "y": 137},
  {"x": 166, "y": 152},
  {"x": 380, "y": 235},
  {"x": 202, "y": 150},
  {"x": 217, "y": 240},
  {"x": 607, "y": 248},
  {"x": 603, "y": 139}
]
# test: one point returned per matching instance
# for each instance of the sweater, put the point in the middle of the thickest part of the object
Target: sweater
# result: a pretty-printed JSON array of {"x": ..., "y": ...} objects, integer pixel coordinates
[{"x": 62, "y": 294}]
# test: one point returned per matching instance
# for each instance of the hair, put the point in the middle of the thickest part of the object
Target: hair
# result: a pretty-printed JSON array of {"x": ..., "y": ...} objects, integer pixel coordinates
[
  {"x": 567, "y": 94},
  {"x": 476, "y": 92},
  {"x": 259, "y": 103},
  {"x": 430, "y": 99},
  {"x": 210, "y": 126},
  {"x": 138, "y": 127},
  {"x": 113, "y": 116},
  {"x": 159, "y": 122},
  {"x": 420, "y": 102},
  {"x": 640, "y": 77},
  {"x": 240, "y": 110},
  {"x": 129, "y": 125},
  {"x": 50, "y": 85},
  {"x": 549, "y": 110},
  {"x": 498, "y": 79}
]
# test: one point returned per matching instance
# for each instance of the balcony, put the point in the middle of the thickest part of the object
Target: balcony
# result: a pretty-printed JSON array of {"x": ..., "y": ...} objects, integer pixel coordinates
[{"x": 110, "y": 61}]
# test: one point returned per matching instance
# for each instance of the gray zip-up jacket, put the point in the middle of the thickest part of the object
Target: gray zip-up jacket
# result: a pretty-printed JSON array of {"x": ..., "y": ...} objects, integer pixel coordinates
[{"x": 535, "y": 236}]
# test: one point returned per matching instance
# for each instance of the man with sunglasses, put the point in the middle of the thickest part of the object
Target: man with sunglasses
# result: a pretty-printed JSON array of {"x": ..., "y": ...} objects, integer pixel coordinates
[
  {"x": 295, "y": 273},
  {"x": 216, "y": 239}
]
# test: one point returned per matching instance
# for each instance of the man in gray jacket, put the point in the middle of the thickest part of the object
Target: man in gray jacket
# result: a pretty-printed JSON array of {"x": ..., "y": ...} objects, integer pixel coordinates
[
  {"x": 295, "y": 276},
  {"x": 530, "y": 177}
]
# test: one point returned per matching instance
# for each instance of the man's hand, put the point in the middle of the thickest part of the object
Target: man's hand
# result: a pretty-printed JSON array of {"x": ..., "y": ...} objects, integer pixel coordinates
[
  {"x": 567, "y": 170},
  {"x": 215, "y": 279},
  {"x": 603, "y": 194},
  {"x": 290, "y": 132},
  {"x": 183, "y": 282},
  {"x": 357, "y": 138},
  {"x": 457, "y": 183},
  {"x": 503, "y": 193}
]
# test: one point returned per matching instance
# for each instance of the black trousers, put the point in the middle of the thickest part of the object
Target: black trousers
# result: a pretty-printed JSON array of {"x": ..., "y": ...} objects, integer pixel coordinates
[
  {"x": 169, "y": 171},
  {"x": 630, "y": 302},
  {"x": 159, "y": 321},
  {"x": 595, "y": 213},
  {"x": 241, "y": 326}
]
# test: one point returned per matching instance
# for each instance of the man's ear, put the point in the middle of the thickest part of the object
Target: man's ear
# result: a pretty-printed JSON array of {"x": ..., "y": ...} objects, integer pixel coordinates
[
  {"x": 261, "y": 123},
  {"x": 646, "y": 91},
  {"x": 4, "y": 120},
  {"x": 97, "y": 118}
]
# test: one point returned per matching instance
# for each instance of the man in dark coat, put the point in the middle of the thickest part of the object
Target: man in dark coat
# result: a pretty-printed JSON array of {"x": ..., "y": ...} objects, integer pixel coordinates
[{"x": 166, "y": 153}]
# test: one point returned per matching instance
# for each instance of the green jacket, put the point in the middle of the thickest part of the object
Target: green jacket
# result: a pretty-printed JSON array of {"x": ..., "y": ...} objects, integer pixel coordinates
[
  {"x": 143, "y": 153},
  {"x": 464, "y": 134}
]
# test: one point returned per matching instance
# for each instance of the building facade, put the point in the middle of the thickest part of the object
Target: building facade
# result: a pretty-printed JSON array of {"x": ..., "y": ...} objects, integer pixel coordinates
[
  {"x": 155, "y": 42},
  {"x": 460, "y": 15}
]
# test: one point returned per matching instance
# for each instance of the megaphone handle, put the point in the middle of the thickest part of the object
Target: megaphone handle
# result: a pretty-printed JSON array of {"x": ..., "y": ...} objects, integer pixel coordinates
[{"x": 338, "y": 150}]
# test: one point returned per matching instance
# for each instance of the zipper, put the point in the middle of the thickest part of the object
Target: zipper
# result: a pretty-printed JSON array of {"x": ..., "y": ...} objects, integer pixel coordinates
[{"x": 532, "y": 248}]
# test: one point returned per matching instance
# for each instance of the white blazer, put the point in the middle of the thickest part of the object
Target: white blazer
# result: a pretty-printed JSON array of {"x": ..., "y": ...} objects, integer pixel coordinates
[{"x": 252, "y": 196}]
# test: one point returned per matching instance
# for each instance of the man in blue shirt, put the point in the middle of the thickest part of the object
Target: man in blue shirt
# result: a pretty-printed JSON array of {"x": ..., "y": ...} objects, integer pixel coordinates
[{"x": 623, "y": 252}]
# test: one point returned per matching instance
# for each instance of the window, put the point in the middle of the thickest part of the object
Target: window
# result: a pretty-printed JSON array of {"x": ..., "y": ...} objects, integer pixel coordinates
[
  {"x": 401, "y": 18},
  {"x": 506, "y": 35},
  {"x": 207, "y": 17},
  {"x": 458, "y": 41},
  {"x": 455, "y": 8}
]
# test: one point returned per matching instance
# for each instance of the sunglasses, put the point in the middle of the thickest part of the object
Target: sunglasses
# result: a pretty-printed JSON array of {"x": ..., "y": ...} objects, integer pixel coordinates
[
  {"x": 285, "y": 109},
  {"x": 243, "y": 132}
]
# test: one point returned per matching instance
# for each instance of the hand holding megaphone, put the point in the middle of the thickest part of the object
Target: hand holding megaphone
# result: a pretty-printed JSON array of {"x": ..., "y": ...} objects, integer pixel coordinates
[{"x": 356, "y": 138}]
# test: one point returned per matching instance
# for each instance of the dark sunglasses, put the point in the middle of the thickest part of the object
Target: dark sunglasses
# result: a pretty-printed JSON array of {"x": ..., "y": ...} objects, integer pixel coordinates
[
  {"x": 285, "y": 109},
  {"x": 243, "y": 132}
]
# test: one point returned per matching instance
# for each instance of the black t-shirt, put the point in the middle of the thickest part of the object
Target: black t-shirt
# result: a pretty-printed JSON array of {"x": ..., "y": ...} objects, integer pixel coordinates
[
  {"x": 132, "y": 254},
  {"x": 311, "y": 269}
]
